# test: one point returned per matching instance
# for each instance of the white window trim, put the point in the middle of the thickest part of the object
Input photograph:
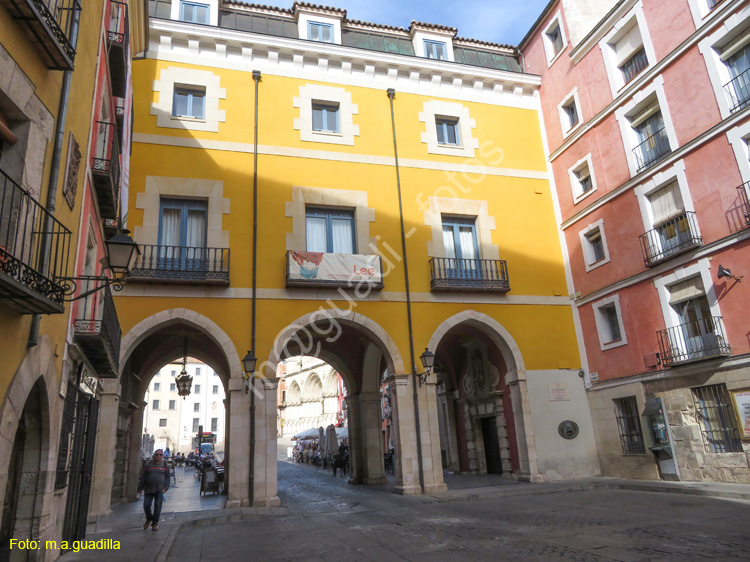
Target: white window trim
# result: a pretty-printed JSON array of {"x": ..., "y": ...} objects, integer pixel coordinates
[
  {"x": 213, "y": 10},
  {"x": 739, "y": 138},
  {"x": 549, "y": 49},
  {"x": 662, "y": 284},
  {"x": 310, "y": 93},
  {"x": 305, "y": 18},
  {"x": 586, "y": 245},
  {"x": 718, "y": 72},
  {"x": 186, "y": 78},
  {"x": 602, "y": 327},
  {"x": 571, "y": 97},
  {"x": 575, "y": 185},
  {"x": 701, "y": 12},
  {"x": 418, "y": 42},
  {"x": 640, "y": 100},
  {"x": 616, "y": 80},
  {"x": 675, "y": 173},
  {"x": 433, "y": 109}
]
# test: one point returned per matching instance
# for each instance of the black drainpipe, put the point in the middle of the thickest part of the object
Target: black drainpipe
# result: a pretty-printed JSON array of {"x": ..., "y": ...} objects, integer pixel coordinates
[
  {"x": 251, "y": 483},
  {"x": 391, "y": 95},
  {"x": 54, "y": 175}
]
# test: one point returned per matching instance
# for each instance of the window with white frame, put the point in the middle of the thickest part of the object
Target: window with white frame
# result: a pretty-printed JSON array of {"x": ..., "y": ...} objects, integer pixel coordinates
[
  {"x": 194, "y": 13},
  {"x": 172, "y": 387},
  {"x": 157, "y": 387},
  {"x": 197, "y": 387},
  {"x": 189, "y": 101},
  {"x": 553, "y": 38},
  {"x": 434, "y": 49},
  {"x": 155, "y": 405},
  {"x": 214, "y": 424},
  {"x": 196, "y": 424},
  {"x": 570, "y": 113},
  {"x": 172, "y": 404},
  {"x": 325, "y": 117},
  {"x": 197, "y": 407},
  {"x": 702, "y": 9},
  {"x": 594, "y": 245},
  {"x": 215, "y": 389},
  {"x": 630, "y": 54},
  {"x": 330, "y": 230},
  {"x": 322, "y": 32},
  {"x": 582, "y": 178},
  {"x": 163, "y": 422},
  {"x": 609, "y": 324},
  {"x": 447, "y": 131}
]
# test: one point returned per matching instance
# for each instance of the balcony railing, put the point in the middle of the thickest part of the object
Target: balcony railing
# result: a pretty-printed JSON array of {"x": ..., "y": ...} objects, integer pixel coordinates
[
  {"x": 653, "y": 149},
  {"x": 97, "y": 329},
  {"x": 450, "y": 274},
  {"x": 328, "y": 270},
  {"x": 742, "y": 191},
  {"x": 117, "y": 41},
  {"x": 694, "y": 341},
  {"x": 738, "y": 90},
  {"x": 49, "y": 27},
  {"x": 181, "y": 264},
  {"x": 669, "y": 239},
  {"x": 105, "y": 166},
  {"x": 34, "y": 250}
]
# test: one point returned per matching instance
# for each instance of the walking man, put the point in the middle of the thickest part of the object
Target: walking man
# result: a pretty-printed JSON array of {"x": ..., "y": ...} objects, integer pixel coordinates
[{"x": 154, "y": 481}]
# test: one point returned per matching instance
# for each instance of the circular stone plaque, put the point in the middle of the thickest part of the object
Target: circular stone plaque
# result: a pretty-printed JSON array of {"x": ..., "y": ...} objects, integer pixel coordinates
[{"x": 568, "y": 429}]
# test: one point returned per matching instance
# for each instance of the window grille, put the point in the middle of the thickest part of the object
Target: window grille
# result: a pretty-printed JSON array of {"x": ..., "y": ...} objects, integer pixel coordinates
[
  {"x": 718, "y": 424},
  {"x": 629, "y": 426}
]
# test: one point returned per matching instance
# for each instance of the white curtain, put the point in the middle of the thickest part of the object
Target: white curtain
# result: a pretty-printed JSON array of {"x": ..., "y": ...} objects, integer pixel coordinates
[
  {"x": 170, "y": 232},
  {"x": 342, "y": 236},
  {"x": 666, "y": 204},
  {"x": 196, "y": 233},
  {"x": 316, "y": 234},
  {"x": 448, "y": 242},
  {"x": 466, "y": 236}
]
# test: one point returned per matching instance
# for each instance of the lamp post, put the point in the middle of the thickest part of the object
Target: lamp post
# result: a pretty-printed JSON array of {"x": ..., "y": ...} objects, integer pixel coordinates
[
  {"x": 428, "y": 361},
  {"x": 248, "y": 368}
]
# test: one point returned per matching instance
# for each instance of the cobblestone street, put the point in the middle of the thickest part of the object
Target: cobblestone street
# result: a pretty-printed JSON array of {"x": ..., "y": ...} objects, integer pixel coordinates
[{"x": 326, "y": 519}]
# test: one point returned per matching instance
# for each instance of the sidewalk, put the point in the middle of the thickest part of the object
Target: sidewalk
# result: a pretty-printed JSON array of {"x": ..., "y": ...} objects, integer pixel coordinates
[{"x": 185, "y": 509}]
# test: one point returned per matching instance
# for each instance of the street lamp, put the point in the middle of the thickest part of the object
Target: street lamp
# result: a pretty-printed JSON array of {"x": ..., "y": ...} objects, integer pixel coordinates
[
  {"x": 428, "y": 360},
  {"x": 122, "y": 253},
  {"x": 184, "y": 381},
  {"x": 248, "y": 368}
]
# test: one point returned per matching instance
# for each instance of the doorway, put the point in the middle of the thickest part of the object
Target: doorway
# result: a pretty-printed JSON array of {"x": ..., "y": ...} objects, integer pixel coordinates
[{"x": 491, "y": 442}]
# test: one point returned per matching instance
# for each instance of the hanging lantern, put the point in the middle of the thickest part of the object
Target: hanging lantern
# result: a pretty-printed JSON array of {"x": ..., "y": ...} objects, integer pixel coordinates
[{"x": 184, "y": 382}]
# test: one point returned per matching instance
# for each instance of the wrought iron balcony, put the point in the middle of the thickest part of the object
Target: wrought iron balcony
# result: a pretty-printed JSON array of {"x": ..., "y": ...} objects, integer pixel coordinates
[
  {"x": 96, "y": 329},
  {"x": 669, "y": 239},
  {"x": 742, "y": 191},
  {"x": 181, "y": 264},
  {"x": 652, "y": 150},
  {"x": 34, "y": 250},
  {"x": 117, "y": 41},
  {"x": 450, "y": 274},
  {"x": 738, "y": 90},
  {"x": 105, "y": 167},
  {"x": 701, "y": 339},
  {"x": 327, "y": 270},
  {"x": 49, "y": 26}
]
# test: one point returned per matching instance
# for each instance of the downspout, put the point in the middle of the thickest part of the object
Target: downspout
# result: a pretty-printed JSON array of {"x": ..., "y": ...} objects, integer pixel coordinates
[
  {"x": 391, "y": 94},
  {"x": 251, "y": 483},
  {"x": 54, "y": 175}
]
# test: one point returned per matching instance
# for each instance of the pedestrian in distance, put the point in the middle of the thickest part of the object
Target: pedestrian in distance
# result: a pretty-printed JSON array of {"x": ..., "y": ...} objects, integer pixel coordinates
[{"x": 153, "y": 482}]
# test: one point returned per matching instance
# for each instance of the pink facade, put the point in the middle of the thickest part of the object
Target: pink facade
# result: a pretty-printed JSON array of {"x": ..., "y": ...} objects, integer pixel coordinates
[{"x": 647, "y": 124}]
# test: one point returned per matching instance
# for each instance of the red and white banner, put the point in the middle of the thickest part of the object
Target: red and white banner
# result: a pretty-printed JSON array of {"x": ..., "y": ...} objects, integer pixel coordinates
[{"x": 311, "y": 268}]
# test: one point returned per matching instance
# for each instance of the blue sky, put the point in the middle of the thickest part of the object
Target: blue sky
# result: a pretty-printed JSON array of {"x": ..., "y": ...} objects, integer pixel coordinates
[{"x": 499, "y": 21}]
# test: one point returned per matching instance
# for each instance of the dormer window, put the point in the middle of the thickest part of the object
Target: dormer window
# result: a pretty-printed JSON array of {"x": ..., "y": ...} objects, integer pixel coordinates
[
  {"x": 434, "y": 49},
  {"x": 322, "y": 32},
  {"x": 193, "y": 12}
]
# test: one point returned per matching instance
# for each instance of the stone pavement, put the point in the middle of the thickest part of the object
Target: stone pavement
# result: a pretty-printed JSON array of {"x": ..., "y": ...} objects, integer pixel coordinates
[{"x": 478, "y": 518}]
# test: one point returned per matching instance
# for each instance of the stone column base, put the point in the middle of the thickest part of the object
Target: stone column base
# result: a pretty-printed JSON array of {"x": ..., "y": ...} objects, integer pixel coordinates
[
  {"x": 404, "y": 490},
  {"x": 434, "y": 488},
  {"x": 233, "y": 504},
  {"x": 530, "y": 478}
]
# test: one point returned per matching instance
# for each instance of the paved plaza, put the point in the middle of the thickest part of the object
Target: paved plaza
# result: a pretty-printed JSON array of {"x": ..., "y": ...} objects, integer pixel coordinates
[{"x": 324, "y": 518}]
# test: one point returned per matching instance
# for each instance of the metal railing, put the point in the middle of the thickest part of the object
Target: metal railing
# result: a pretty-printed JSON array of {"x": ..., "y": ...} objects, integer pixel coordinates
[
  {"x": 117, "y": 26},
  {"x": 97, "y": 328},
  {"x": 451, "y": 274},
  {"x": 634, "y": 65},
  {"x": 743, "y": 200},
  {"x": 105, "y": 165},
  {"x": 670, "y": 238},
  {"x": 34, "y": 246},
  {"x": 738, "y": 90},
  {"x": 651, "y": 150},
  {"x": 49, "y": 25},
  {"x": 701, "y": 339},
  {"x": 181, "y": 264}
]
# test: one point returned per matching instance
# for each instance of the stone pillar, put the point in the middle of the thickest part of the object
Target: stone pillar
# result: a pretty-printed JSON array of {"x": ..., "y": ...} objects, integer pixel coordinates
[
  {"x": 106, "y": 444},
  {"x": 135, "y": 461},
  {"x": 404, "y": 435},
  {"x": 446, "y": 403},
  {"x": 266, "y": 493},
  {"x": 369, "y": 445},
  {"x": 238, "y": 437},
  {"x": 519, "y": 395},
  {"x": 431, "y": 460}
]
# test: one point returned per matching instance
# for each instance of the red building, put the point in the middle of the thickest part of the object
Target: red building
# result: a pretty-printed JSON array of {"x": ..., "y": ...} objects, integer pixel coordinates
[{"x": 646, "y": 106}]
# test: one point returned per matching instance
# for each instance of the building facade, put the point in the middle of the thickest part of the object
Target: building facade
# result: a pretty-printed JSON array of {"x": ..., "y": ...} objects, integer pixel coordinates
[
  {"x": 65, "y": 109},
  {"x": 353, "y": 184},
  {"x": 646, "y": 111}
]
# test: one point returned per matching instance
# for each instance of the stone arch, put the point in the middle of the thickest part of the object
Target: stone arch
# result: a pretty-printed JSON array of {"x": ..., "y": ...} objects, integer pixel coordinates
[
  {"x": 294, "y": 395},
  {"x": 157, "y": 321}
]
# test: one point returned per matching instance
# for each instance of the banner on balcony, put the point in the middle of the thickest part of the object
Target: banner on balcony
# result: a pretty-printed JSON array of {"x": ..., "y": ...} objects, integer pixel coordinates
[{"x": 310, "y": 268}]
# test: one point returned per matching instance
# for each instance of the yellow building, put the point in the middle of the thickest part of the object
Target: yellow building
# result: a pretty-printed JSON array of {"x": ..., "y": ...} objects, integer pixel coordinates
[
  {"x": 357, "y": 151},
  {"x": 63, "y": 76}
]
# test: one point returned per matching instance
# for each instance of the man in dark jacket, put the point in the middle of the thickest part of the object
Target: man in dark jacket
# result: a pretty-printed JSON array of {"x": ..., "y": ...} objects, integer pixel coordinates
[{"x": 154, "y": 481}]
